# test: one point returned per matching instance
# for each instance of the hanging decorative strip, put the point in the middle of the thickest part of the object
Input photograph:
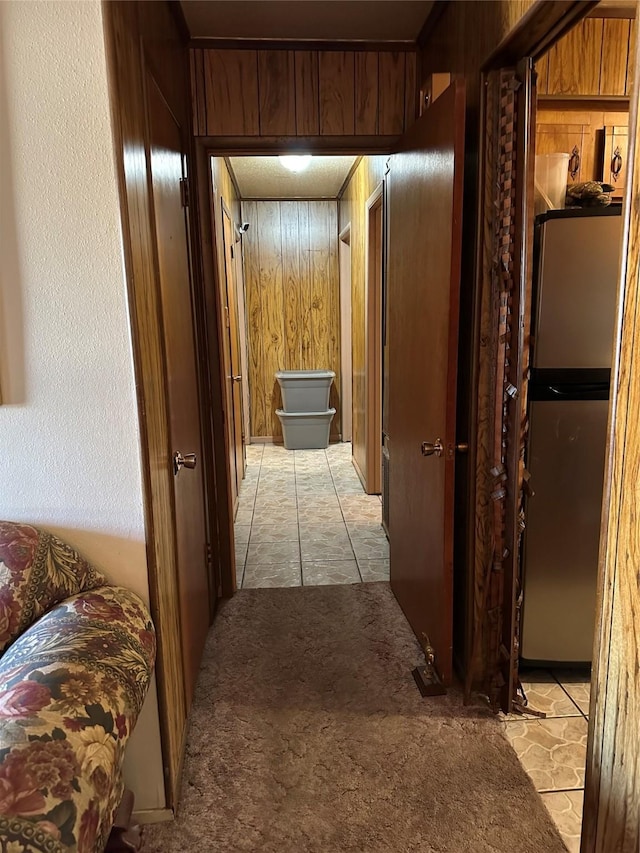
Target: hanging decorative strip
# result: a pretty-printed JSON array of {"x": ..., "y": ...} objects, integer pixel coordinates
[{"x": 496, "y": 390}]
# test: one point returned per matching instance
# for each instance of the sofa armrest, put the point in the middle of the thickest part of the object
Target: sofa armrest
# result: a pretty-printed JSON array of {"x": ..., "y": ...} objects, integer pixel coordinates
[{"x": 71, "y": 689}]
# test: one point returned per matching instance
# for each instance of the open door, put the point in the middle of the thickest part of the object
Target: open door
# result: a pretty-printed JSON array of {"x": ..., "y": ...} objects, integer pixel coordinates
[
  {"x": 195, "y": 603},
  {"x": 233, "y": 367},
  {"x": 424, "y": 248}
]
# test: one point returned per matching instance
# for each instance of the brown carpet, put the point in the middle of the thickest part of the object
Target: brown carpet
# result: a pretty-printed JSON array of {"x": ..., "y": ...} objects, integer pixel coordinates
[{"x": 308, "y": 735}]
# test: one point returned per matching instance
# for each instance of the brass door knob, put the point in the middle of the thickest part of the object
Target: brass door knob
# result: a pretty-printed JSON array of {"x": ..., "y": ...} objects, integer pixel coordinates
[
  {"x": 435, "y": 448},
  {"x": 236, "y": 378},
  {"x": 187, "y": 461}
]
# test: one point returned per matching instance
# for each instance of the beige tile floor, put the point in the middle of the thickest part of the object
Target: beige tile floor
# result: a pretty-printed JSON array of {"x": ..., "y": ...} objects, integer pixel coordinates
[
  {"x": 553, "y": 749},
  {"x": 303, "y": 520}
]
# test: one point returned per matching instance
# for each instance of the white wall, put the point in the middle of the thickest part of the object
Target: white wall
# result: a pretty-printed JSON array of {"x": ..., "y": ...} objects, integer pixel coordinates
[{"x": 69, "y": 438}]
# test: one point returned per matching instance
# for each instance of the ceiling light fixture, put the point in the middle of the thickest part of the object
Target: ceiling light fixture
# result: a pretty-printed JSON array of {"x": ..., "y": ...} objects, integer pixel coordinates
[{"x": 295, "y": 162}]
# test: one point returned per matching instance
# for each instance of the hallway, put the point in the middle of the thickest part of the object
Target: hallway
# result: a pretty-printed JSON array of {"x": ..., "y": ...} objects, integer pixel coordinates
[{"x": 304, "y": 520}]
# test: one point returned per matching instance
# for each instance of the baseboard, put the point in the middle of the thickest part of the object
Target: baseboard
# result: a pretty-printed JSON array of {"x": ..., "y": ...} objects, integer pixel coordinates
[{"x": 146, "y": 816}]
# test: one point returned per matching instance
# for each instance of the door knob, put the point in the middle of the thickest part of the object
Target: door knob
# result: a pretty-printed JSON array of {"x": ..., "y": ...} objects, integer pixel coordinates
[
  {"x": 435, "y": 448},
  {"x": 187, "y": 461},
  {"x": 236, "y": 378}
]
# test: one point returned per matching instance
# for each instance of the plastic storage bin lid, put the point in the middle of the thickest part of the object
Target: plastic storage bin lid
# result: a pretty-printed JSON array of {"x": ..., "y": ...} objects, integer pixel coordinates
[{"x": 305, "y": 374}]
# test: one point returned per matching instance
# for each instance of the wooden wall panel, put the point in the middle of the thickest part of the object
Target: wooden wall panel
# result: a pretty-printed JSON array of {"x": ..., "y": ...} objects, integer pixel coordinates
[
  {"x": 574, "y": 62},
  {"x": 305, "y": 288},
  {"x": 410, "y": 89},
  {"x": 291, "y": 272},
  {"x": 591, "y": 59},
  {"x": 366, "y": 93},
  {"x": 611, "y": 816},
  {"x": 292, "y": 276},
  {"x": 631, "y": 64},
  {"x": 337, "y": 82},
  {"x": 310, "y": 93},
  {"x": 231, "y": 90},
  {"x": 199, "y": 102},
  {"x": 276, "y": 83},
  {"x": 353, "y": 211},
  {"x": 269, "y": 231},
  {"x": 307, "y": 93},
  {"x": 614, "y": 57},
  {"x": 392, "y": 81},
  {"x": 251, "y": 250}
]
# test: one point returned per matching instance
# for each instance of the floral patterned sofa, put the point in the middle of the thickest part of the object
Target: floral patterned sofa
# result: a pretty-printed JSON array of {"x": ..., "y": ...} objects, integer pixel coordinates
[{"x": 76, "y": 659}]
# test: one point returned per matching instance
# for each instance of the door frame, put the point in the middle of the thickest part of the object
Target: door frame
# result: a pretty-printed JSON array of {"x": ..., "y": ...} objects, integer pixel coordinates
[
  {"x": 374, "y": 255},
  {"x": 611, "y": 777},
  {"x": 229, "y": 303},
  {"x": 346, "y": 353}
]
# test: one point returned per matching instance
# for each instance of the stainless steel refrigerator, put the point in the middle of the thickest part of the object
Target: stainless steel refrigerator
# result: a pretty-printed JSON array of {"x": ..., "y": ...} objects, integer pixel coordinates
[{"x": 577, "y": 256}]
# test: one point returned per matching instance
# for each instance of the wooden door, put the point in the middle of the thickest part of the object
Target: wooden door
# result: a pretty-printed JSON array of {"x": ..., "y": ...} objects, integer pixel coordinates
[
  {"x": 424, "y": 248},
  {"x": 166, "y": 162},
  {"x": 233, "y": 366}
]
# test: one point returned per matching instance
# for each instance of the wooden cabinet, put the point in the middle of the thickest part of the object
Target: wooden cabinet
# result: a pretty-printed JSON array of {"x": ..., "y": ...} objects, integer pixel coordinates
[
  {"x": 614, "y": 158},
  {"x": 594, "y": 135},
  {"x": 288, "y": 93},
  {"x": 569, "y": 138}
]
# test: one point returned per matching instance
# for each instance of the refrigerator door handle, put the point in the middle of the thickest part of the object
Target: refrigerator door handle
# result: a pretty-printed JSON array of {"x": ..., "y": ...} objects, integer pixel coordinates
[{"x": 586, "y": 389}]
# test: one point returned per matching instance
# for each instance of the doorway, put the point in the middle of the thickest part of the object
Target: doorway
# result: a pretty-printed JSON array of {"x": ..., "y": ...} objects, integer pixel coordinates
[
  {"x": 576, "y": 113},
  {"x": 311, "y": 248}
]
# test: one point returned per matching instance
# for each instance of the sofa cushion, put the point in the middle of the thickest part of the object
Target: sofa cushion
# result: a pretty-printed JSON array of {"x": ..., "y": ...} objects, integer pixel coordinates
[
  {"x": 37, "y": 570},
  {"x": 71, "y": 689}
]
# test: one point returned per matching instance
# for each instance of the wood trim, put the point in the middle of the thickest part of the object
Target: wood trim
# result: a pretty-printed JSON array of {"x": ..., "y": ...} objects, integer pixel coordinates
[
  {"x": 150, "y": 816},
  {"x": 128, "y": 110},
  {"x": 238, "y": 145},
  {"x": 430, "y": 23},
  {"x": 624, "y": 12},
  {"x": 346, "y": 352},
  {"x": 537, "y": 30},
  {"x": 214, "y": 331},
  {"x": 373, "y": 347},
  {"x": 301, "y": 44},
  {"x": 175, "y": 7},
  {"x": 611, "y": 820},
  {"x": 361, "y": 476},
  {"x": 232, "y": 175},
  {"x": 350, "y": 174},
  {"x": 289, "y": 198},
  {"x": 606, "y": 103}
]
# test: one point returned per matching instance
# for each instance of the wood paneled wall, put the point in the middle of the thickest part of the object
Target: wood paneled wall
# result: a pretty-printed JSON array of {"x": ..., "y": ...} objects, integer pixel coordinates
[
  {"x": 596, "y": 57},
  {"x": 293, "y": 300},
  {"x": 612, "y": 791},
  {"x": 353, "y": 209},
  {"x": 308, "y": 93}
]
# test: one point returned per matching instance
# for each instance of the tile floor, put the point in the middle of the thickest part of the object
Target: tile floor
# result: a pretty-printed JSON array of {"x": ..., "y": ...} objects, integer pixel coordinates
[
  {"x": 553, "y": 749},
  {"x": 303, "y": 519}
]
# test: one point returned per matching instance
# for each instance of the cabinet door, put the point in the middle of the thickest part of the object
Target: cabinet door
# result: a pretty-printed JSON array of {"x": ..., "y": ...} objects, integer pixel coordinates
[
  {"x": 614, "y": 165},
  {"x": 569, "y": 138}
]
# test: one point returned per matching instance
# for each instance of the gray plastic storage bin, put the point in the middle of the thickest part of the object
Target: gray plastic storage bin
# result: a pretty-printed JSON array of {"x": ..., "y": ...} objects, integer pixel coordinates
[
  {"x": 306, "y": 430},
  {"x": 305, "y": 390}
]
